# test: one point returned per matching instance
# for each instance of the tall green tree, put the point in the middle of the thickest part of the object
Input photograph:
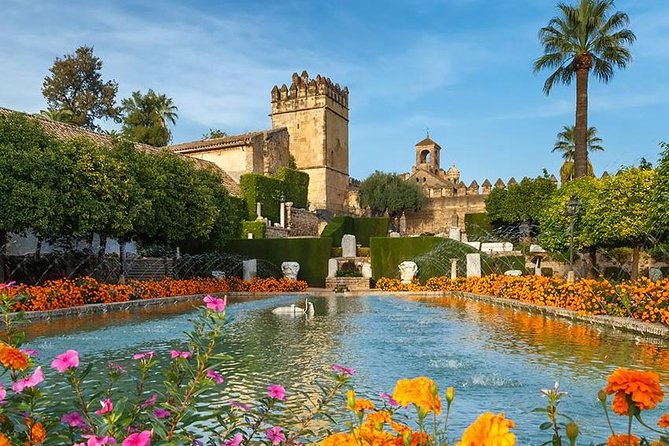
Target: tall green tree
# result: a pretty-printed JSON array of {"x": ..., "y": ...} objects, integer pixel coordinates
[
  {"x": 383, "y": 192},
  {"x": 214, "y": 133},
  {"x": 519, "y": 203},
  {"x": 76, "y": 84},
  {"x": 585, "y": 37},
  {"x": 566, "y": 144},
  {"x": 146, "y": 118}
]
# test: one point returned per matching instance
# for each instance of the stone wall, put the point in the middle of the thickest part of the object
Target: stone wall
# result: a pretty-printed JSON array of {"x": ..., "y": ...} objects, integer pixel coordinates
[
  {"x": 438, "y": 212},
  {"x": 302, "y": 223}
]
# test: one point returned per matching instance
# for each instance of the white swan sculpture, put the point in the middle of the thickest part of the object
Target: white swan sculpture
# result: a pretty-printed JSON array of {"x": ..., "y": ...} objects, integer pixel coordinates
[{"x": 295, "y": 310}]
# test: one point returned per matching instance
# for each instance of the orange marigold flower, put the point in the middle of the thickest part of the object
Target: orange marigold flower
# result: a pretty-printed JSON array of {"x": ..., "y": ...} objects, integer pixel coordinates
[
  {"x": 12, "y": 357},
  {"x": 362, "y": 404},
  {"x": 623, "y": 440},
  {"x": 377, "y": 419},
  {"x": 619, "y": 404},
  {"x": 489, "y": 430},
  {"x": 341, "y": 439},
  {"x": 4, "y": 441},
  {"x": 38, "y": 433},
  {"x": 664, "y": 421},
  {"x": 421, "y": 391},
  {"x": 642, "y": 387}
]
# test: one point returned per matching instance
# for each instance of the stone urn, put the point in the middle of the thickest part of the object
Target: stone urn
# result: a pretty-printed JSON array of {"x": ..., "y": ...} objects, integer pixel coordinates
[
  {"x": 408, "y": 271},
  {"x": 290, "y": 270}
]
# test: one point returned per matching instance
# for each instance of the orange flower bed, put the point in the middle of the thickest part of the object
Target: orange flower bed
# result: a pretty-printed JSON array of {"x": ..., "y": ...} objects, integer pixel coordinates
[
  {"x": 640, "y": 299},
  {"x": 66, "y": 293}
]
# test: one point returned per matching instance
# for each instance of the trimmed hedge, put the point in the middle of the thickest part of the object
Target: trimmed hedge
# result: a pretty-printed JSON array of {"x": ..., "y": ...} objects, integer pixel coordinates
[
  {"x": 312, "y": 253},
  {"x": 433, "y": 256},
  {"x": 295, "y": 186},
  {"x": 257, "y": 228},
  {"x": 256, "y": 188},
  {"x": 364, "y": 228},
  {"x": 478, "y": 227}
]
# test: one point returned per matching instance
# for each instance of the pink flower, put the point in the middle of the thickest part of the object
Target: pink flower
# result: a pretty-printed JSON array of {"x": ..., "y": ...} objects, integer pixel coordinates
[
  {"x": 216, "y": 304},
  {"x": 99, "y": 441},
  {"x": 161, "y": 413},
  {"x": 343, "y": 370},
  {"x": 274, "y": 435},
  {"x": 240, "y": 406},
  {"x": 31, "y": 381},
  {"x": 385, "y": 396},
  {"x": 8, "y": 285},
  {"x": 150, "y": 401},
  {"x": 73, "y": 419},
  {"x": 138, "y": 439},
  {"x": 147, "y": 355},
  {"x": 107, "y": 406},
  {"x": 213, "y": 374},
  {"x": 117, "y": 368},
  {"x": 276, "y": 391},
  {"x": 177, "y": 354},
  {"x": 30, "y": 352},
  {"x": 234, "y": 441},
  {"x": 3, "y": 392},
  {"x": 67, "y": 360}
]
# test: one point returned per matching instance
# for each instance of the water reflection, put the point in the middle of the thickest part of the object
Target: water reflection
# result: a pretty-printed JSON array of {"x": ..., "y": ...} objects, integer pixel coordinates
[{"x": 497, "y": 358}]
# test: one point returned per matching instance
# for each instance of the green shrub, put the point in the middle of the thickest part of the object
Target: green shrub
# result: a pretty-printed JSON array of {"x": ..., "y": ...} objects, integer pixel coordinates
[
  {"x": 257, "y": 228},
  {"x": 478, "y": 227},
  {"x": 363, "y": 252},
  {"x": 547, "y": 272},
  {"x": 348, "y": 269},
  {"x": 336, "y": 229},
  {"x": 312, "y": 253},
  {"x": 363, "y": 228},
  {"x": 256, "y": 188},
  {"x": 295, "y": 186}
]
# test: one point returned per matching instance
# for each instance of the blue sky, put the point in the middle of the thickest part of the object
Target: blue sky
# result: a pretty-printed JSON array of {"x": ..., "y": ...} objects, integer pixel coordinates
[{"x": 463, "y": 68}]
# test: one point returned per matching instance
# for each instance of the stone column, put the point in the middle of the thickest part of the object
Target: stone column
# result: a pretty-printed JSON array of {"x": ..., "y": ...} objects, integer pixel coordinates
[
  {"x": 454, "y": 269},
  {"x": 259, "y": 210},
  {"x": 282, "y": 214}
]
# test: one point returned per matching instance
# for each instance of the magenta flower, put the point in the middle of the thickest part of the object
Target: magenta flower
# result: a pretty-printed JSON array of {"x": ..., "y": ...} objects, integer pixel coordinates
[
  {"x": 213, "y": 374},
  {"x": 276, "y": 391},
  {"x": 385, "y": 396},
  {"x": 73, "y": 419},
  {"x": 275, "y": 435},
  {"x": 147, "y": 355},
  {"x": 161, "y": 413},
  {"x": 177, "y": 354},
  {"x": 8, "y": 285},
  {"x": 31, "y": 381},
  {"x": 67, "y": 360},
  {"x": 138, "y": 439},
  {"x": 107, "y": 406},
  {"x": 343, "y": 370},
  {"x": 30, "y": 352},
  {"x": 150, "y": 401},
  {"x": 117, "y": 367},
  {"x": 240, "y": 406},
  {"x": 234, "y": 441},
  {"x": 3, "y": 393},
  {"x": 215, "y": 303},
  {"x": 99, "y": 441}
]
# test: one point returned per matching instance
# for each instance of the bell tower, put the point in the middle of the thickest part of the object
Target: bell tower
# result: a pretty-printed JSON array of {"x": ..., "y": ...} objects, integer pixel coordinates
[
  {"x": 427, "y": 155},
  {"x": 315, "y": 112}
]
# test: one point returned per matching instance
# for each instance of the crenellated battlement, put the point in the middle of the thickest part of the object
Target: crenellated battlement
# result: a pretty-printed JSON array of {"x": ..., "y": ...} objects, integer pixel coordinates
[
  {"x": 302, "y": 87},
  {"x": 453, "y": 188}
]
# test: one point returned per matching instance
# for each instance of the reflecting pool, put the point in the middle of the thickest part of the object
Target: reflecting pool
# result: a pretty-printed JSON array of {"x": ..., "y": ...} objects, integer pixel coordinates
[{"x": 497, "y": 358}]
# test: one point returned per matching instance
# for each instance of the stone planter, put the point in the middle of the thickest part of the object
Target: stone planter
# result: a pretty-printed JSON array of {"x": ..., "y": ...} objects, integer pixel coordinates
[{"x": 352, "y": 283}]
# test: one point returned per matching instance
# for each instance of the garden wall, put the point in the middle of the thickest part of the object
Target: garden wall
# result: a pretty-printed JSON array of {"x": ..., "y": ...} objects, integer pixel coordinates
[{"x": 312, "y": 253}]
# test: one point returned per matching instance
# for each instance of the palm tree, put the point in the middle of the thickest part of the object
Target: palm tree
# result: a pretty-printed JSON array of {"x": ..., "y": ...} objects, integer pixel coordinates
[
  {"x": 146, "y": 117},
  {"x": 60, "y": 115},
  {"x": 165, "y": 108},
  {"x": 585, "y": 37},
  {"x": 566, "y": 144}
]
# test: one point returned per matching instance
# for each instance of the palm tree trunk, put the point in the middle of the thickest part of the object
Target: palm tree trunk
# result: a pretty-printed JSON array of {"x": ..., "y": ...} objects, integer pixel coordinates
[
  {"x": 635, "y": 262},
  {"x": 581, "y": 149}
]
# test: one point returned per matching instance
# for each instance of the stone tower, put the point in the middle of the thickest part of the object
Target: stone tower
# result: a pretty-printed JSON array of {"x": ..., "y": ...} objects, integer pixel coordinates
[
  {"x": 315, "y": 112},
  {"x": 427, "y": 155}
]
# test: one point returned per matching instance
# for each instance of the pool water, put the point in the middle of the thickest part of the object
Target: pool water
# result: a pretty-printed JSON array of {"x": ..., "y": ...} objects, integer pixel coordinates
[{"x": 496, "y": 358}]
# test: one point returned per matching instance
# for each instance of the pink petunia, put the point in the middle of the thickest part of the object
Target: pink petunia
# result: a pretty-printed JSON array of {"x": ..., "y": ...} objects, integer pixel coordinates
[
  {"x": 73, "y": 419},
  {"x": 3, "y": 393},
  {"x": 150, "y": 401},
  {"x": 138, "y": 439},
  {"x": 215, "y": 303},
  {"x": 275, "y": 435},
  {"x": 385, "y": 396},
  {"x": 276, "y": 391},
  {"x": 99, "y": 441},
  {"x": 30, "y": 352},
  {"x": 67, "y": 360},
  {"x": 217, "y": 377},
  {"x": 147, "y": 355},
  {"x": 234, "y": 441},
  {"x": 177, "y": 354},
  {"x": 161, "y": 413},
  {"x": 107, "y": 406},
  {"x": 31, "y": 381},
  {"x": 343, "y": 370}
]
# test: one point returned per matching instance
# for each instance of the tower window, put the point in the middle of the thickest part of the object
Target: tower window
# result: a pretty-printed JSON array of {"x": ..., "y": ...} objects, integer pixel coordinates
[{"x": 424, "y": 156}]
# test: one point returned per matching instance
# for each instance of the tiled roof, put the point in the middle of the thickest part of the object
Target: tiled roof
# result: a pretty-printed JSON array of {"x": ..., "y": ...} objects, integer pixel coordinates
[
  {"x": 67, "y": 131},
  {"x": 428, "y": 142},
  {"x": 203, "y": 145}
]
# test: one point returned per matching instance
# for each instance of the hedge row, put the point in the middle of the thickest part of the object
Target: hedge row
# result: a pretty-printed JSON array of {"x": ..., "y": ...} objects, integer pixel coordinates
[
  {"x": 478, "y": 227},
  {"x": 364, "y": 228},
  {"x": 257, "y": 188},
  {"x": 257, "y": 228}
]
